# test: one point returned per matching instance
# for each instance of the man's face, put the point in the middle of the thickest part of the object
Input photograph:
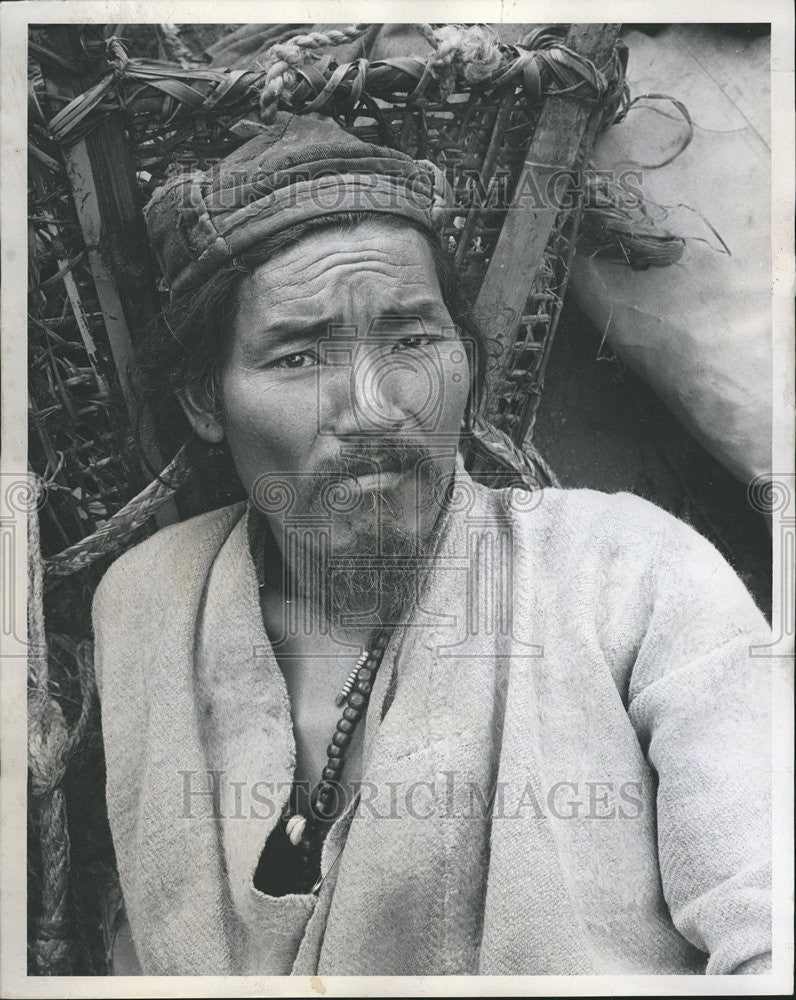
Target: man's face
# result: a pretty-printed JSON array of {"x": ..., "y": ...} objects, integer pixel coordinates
[{"x": 345, "y": 378}]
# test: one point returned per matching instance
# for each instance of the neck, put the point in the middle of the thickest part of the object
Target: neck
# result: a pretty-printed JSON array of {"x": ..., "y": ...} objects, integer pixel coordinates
[
  {"x": 294, "y": 624},
  {"x": 295, "y": 612}
]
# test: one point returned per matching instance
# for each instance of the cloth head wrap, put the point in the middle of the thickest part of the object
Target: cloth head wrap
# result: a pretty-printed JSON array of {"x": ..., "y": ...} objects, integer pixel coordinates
[{"x": 298, "y": 168}]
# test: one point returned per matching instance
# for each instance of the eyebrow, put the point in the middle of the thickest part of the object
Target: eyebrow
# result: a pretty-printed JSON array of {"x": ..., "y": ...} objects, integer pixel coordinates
[{"x": 289, "y": 327}]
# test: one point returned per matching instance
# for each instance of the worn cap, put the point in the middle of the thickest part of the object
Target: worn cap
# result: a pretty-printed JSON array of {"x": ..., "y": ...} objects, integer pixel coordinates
[{"x": 298, "y": 168}]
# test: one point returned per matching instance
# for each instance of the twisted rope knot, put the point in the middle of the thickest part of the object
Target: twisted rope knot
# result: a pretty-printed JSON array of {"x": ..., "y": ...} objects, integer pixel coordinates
[
  {"x": 284, "y": 57},
  {"x": 117, "y": 56},
  {"x": 474, "y": 49},
  {"x": 52, "y": 955},
  {"x": 580, "y": 67},
  {"x": 52, "y": 930},
  {"x": 49, "y": 743}
]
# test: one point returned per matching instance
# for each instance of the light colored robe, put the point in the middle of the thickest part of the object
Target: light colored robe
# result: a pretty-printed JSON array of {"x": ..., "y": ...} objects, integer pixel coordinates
[{"x": 631, "y": 824}]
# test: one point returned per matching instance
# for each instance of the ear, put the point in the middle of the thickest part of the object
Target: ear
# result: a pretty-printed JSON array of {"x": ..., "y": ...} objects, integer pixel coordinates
[{"x": 202, "y": 415}]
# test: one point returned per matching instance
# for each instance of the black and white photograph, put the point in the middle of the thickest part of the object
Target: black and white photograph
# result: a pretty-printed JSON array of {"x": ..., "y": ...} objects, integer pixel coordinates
[{"x": 399, "y": 513}]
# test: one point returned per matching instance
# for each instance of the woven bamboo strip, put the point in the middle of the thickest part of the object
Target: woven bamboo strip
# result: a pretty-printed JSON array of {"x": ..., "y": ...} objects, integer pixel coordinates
[{"x": 519, "y": 252}]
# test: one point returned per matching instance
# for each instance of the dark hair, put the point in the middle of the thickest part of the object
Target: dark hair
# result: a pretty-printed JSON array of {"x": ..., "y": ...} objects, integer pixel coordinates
[{"x": 185, "y": 347}]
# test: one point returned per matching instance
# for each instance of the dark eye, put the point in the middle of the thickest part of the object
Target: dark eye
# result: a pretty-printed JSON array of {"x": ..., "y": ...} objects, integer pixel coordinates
[
  {"x": 301, "y": 359},
  {"x": 411, "y": 343}
]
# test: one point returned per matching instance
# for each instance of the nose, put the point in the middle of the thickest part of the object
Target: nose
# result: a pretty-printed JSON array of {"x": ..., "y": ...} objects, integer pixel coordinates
[{"x": 380, "y": 391}]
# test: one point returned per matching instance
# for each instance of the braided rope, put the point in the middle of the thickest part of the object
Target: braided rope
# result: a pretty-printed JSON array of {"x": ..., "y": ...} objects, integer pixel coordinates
[
  {"x": 504, "y": 461},
  {"x": 175, "y": 47},
  {"x": 118, "y": 529},
  {"x": 50, "y": 744},
  {"x": 282, "y": 59}
]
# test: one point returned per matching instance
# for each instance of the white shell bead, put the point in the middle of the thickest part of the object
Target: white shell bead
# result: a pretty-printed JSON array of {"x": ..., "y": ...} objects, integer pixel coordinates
[{"x": 294, "y": 828}]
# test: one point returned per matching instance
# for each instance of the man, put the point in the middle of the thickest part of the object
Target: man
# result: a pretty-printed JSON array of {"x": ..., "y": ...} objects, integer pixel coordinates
[{"x": 380, "y": 719}]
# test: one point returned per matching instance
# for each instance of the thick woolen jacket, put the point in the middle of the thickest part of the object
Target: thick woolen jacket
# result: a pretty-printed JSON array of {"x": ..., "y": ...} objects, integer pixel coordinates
[{"x": 580, "y": 660}]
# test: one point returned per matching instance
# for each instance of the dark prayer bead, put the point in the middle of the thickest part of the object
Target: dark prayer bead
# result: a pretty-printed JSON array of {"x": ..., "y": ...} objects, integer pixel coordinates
[{"x": 324, "y": 800}]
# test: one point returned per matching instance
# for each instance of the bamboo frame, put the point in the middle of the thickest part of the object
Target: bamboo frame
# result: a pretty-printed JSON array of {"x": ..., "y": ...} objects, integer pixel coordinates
[
  {"x": 101, "y": 176},
  {"x": 518, "y": 255}
]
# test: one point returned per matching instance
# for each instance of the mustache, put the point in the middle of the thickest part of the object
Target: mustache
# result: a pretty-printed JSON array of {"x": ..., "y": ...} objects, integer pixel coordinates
[
  {"x": 274, "y": 493},
  {"x": 401, "y": 455},
  {"x": 398, "y": 455}
]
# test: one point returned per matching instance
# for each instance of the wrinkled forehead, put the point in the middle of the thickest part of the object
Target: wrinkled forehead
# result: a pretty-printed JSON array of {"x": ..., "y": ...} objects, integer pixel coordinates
[{"x": 340, "y": 276}]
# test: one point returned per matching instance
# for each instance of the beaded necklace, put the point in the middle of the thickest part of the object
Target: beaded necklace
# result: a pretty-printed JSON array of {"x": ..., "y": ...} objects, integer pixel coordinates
[{"x": 290, "y": 861}]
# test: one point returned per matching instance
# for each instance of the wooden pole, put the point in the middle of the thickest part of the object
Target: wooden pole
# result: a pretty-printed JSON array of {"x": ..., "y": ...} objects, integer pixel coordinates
[
  {"x": 564, "y": 124},
  {"x": 101, "y": 173}
]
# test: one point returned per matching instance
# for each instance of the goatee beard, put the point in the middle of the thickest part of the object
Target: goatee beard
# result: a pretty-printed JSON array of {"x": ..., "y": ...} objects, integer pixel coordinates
[
  {"x": 374, "y": 577},
  {"x": 354, "y": 556}
]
